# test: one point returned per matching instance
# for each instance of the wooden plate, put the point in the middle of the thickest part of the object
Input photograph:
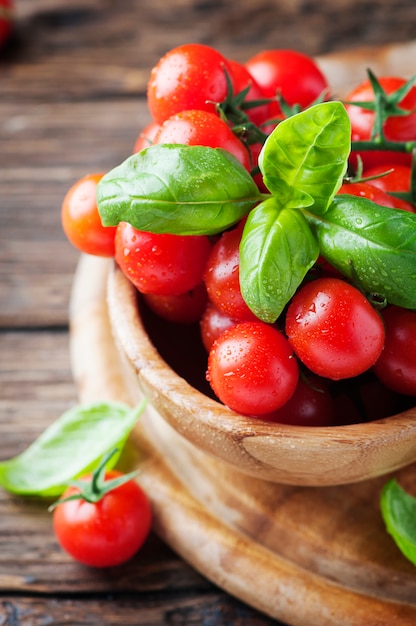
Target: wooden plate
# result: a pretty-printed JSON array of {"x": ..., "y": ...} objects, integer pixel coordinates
[{"x": 305, "y": 556}]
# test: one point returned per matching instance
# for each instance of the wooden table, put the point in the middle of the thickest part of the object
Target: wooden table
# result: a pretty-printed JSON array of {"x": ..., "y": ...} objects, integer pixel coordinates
[{"x": 72, "y": 87}]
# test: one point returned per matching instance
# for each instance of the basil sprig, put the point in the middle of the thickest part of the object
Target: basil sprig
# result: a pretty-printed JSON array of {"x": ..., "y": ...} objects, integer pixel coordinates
[
  {"x": 69, "y": 447},
  {"x": 177, "y": 189},
  {"x": 398, "y": 509},
  {"x": 196, "y": 190}
]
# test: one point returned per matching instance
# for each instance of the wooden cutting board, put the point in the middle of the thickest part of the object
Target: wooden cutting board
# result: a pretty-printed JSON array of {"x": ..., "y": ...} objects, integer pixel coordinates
[{"x": 306, "y": 556}]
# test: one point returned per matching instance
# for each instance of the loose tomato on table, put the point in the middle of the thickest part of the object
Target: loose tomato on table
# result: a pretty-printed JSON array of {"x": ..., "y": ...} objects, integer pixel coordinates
[
  {"x": 6, "y": 20},
  {"x": 104, "y": 519},
  {"x": 202, "y": 128},
  {"x": 252, "y": 369},
  {"x": 81, "y": 221},
  {"x": 333, "y": 329}
]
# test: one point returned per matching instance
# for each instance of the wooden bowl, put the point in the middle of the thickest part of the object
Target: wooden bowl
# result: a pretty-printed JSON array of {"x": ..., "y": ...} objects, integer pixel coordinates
[{"x": 309, "y": 456}]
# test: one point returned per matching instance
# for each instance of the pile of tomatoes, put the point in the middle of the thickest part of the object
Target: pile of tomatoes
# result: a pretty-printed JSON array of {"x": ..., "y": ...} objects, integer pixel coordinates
[{"x": 333, "y": 351}]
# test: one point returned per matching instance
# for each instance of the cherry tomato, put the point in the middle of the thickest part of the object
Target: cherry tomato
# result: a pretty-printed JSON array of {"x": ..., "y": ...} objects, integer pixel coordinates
[
  {"x": 396, "y": 366},
  {"x": 397, "y": 180},
  {"x": 251, "y": 368},
  {"x": 184, "y": 308},
  {"x": 213, "y": 323},
  {"x": 369, "y": 191},
  {"x": 202, "y": 128},
  {"x": 191, "y": 76},
  {"x": 396, "y": 128},
  {"x": 333, "y": 328},
  {"x": 310, "y": 405},
  {"x": 161, "y": 264},
  {"x": 241, "y": 80},
  {"x": 291, "y": 74},
  {"x": 6, "y": 20},
  {"x": 222, "y": 276},
  {"x": 81, "y": 221},
  {"x": 104, "y": 533},
  {"x": 146, "y": 136}
]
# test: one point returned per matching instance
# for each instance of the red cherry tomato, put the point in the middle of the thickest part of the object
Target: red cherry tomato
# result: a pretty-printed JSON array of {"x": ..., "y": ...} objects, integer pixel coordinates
[
  {"x": 396, "y": 128},
  {"x": 369, "y": 191},
  {"x": 291, "y": 74},
  {"x": 241, "y": 80},
  {"x": 310, "y": 405},
  {"x": 222, "y": 276},
  {"x": 184, "y": 308},
  {"x": 251, "y": 368},
  {"x": 202, "y": 128},
  {"x": 161, "y": 264},
  {"x": 6, "y": 20},
  {"x": 104, "y": 533},
  {"x": 333, "y": 329},
  {"x": 396, "y": 366},
  {"x": 81, "y": 221},
  {"x": 146, "y": 136},
  {"x": 191, "y": 76},
  {"x": 212, "y": 324},
  {"x": 397, "y": 180}
]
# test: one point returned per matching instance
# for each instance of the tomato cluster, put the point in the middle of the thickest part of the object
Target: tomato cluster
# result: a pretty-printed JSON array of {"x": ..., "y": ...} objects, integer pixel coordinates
[{"x": 332, "y": 344}]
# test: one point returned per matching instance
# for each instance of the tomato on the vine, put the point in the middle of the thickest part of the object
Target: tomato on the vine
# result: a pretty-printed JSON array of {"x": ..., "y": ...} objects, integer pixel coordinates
[
  {"x": 252, "y": 369},
  {"x": 161, "y": 264},
  {"x": 104, "y": 532},
  {"x": 202, "y": 128},
  {"x": 81, "y": 220},
  {"x": 398, "y": 179},
  {"x": 295, "y": 76},
  {"x": 396, "y": 366},
  {"x": 333, "y": 328},
  {"x": 242, "y": 80},
  {"x": 395, "y": 128},
  {"x": 369, "y": 191},
  {"x": 190, "y": 76}
]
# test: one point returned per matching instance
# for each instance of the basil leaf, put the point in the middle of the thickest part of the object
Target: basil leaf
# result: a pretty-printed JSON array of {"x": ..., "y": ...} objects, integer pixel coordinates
[
  {"x": 372, "y": 245},
  {"x": 304, "y": 159},
  {"x": 70, "y": 446},
  {"x": 277, "y": 249},
  {"x": 398, "y": 509},
  {"x": 177, "y": 189}
]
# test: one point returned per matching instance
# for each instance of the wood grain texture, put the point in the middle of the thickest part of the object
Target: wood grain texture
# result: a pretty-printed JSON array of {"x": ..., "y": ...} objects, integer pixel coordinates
[{"x": 322, "y": 555}]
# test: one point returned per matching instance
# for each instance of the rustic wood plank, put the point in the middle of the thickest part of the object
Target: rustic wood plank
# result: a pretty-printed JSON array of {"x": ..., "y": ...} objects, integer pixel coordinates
[
  {"x": 98, "y": 47},
  {"x": 148, "y": 610}
]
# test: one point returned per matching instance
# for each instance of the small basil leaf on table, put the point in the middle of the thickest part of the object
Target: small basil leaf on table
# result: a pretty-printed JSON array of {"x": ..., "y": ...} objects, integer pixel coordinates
[
  {"x": 177, "y": 189},
  {"x": 373, "y": 245},
  {"x": 276, "y": 251},
  {"x": 69, "y": 447},
  {"x": 305, "y": 158},
  {"x": 398, "y": 509}
]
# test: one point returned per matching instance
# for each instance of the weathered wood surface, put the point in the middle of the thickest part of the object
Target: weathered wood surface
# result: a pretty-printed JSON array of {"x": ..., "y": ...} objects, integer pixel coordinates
[{"x": 72, "y": 86}]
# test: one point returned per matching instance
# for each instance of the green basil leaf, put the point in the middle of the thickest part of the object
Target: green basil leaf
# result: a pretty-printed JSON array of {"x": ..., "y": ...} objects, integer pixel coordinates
[
  {"x": 372, "y": 245},
  {"x": 277, "y": 249},
  {"x": 177, "y": 189},
  {"x": 70, "y": 446},
  {"x": 398, "y": 509},
  {"x": 304, "y": 159}
]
